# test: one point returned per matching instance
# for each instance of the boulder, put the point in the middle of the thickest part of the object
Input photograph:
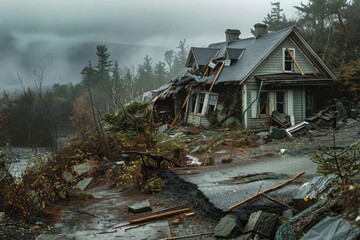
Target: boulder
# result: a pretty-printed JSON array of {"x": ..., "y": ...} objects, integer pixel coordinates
[
  {"x": 228, "y": 227},
  {"x": 263, "y": 223}
]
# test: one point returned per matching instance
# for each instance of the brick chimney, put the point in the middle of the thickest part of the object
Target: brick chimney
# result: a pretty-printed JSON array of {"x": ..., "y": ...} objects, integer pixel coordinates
[
  {"x": 260, "y": 29},
  {"x": 232, "y": 35}
]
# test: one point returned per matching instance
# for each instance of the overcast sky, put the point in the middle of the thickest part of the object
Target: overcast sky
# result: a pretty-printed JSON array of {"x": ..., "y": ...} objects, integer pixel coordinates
[{"x": 146, "y": 22}]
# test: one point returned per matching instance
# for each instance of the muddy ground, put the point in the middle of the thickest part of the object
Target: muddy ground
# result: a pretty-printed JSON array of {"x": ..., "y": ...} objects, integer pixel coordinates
[{"x": 106, "y": 216}]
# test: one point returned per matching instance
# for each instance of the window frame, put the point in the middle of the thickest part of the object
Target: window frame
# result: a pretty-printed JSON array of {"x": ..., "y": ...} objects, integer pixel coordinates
[
  {"x": 284, "y": 103},
  {"x": 202, "y": 110},
  {"x": 267, "y": 107},
  {"x": 292, "y": 51}
]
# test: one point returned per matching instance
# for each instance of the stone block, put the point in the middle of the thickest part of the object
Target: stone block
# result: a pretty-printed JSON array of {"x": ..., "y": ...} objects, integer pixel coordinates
[
  {"x": 228, "y": 227},
  {"x": 139, "y": 207},
  {"x": 263, "y": 223}
]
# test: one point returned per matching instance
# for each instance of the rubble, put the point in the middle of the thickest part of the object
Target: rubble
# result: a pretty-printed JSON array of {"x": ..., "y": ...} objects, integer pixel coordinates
[
  {"x": 84, "y": 168},
  {"x": 309, "y": 192},
  {"x": 262, "y": 223},
  {"x": 139, "y": 207},
  {"x": 83, "y": 184},
  {"x": 228, "y": 227}
]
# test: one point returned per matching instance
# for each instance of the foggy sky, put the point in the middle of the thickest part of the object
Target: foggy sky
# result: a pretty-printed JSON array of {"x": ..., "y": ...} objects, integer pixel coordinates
[{"x": 42, "y": 32}]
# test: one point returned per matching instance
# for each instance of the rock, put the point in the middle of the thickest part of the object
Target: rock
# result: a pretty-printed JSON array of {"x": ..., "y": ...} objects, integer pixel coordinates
[
  {"x": 263, "y": 223},
  {"x": 228, "y": 227},
  {"x": 115, "y": 167},
  {"x": 277, "y": 133},
  {"x": 139, "y": 207},
  {"x": 83, "y": 184},
  {"x": 2, "y": 217}
]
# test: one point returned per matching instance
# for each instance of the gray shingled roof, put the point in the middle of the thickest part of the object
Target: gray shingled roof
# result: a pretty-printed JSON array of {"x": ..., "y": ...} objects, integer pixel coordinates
[
  {"x": 203, "y": 55},
  {"x": 256, "y": 49}
]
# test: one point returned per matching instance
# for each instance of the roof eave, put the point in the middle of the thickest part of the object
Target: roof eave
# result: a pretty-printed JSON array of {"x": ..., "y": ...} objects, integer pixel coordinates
[{"x": 307, "y": 45}]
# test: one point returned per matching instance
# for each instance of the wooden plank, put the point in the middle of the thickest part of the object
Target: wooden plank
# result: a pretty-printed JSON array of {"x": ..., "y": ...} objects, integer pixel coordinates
[
  {"x": 252, "y": 198},
  {"x": 159, "y": 216},
  {"x": 179, "y": 112},
  {"x": 217, "y": 76},
  {"x": 297, "y": 65}
]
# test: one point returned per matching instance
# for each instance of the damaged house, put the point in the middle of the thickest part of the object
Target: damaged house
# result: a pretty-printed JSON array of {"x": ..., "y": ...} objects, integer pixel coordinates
[{"x": 248, "y": 81}]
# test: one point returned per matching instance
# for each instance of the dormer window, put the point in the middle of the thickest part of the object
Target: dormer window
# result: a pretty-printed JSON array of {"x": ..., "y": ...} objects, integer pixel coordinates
[{"x": 288, "y": 56}]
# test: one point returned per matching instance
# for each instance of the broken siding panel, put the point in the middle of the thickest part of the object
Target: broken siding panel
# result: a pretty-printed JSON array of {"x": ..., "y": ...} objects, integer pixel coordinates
[
  {"x": 262, "y": 122},
  {"x": 299, "y": 105},
  {"x": 274, "y": 63},
  {"x": 198, "y": 120}
]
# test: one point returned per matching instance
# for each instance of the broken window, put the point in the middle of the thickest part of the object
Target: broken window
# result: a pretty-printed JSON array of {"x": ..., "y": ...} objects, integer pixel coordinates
[
  {"x": 203, "y": 102},
  {"x": 200, "y": 103},
  {"x": 280, "y": 102},
  {"x": 264, "y": 106},
  {"x": 288, "y": 60},
  {"x": 212, "y": 103},
  {"x": 192, "y": 104}
]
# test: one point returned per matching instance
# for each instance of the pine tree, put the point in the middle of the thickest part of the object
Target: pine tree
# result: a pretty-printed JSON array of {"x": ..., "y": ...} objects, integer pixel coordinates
[
  {"x": 145, "y": 75},
  {"x": 160, "y": 74},
  {"x": 276, "y": 20},
  {"x": 103, "y": 66},
  {"x": 88, "y": 75}
]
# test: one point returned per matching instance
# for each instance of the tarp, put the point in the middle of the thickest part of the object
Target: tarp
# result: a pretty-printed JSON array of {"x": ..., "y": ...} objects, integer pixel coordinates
[
  {"x": 313, "y": 188},
  {"x": 332, "y": 228}
]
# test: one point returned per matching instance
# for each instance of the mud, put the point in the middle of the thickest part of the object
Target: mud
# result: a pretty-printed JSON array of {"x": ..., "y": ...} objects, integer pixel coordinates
[{"x": 181, "y": 191}]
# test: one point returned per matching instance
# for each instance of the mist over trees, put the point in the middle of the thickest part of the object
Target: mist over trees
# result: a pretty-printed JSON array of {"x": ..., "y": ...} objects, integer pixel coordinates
[{"x": 36, "y": 116}]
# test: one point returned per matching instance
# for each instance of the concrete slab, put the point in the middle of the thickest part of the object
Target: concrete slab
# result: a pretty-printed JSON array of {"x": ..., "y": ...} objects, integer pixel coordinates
[{"x": 223, "y": 195}]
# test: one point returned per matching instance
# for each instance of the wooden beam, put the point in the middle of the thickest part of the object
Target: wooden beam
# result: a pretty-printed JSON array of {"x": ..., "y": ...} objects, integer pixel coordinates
[
  {"x": 179, "y": 112},
  {"x": 281, "y": 203},
  {"x": 159, "y": 216},
  {"x": 217, "y": 76},
  {"x": 252, "y": 198},
  {"x": 297, "y": 65}
]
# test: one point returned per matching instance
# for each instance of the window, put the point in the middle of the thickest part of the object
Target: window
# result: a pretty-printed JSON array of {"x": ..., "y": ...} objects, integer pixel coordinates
[
  {"x": 263, "y": 103},
  {"x": 280, "y": 102},
  {"x": 192, "y": 104},
  {"x": 203, "y": 102},
  {"x": 288, "y": 61},
  {"x": 212, "y": 103},
  {"x": 200, "y": 104}
]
